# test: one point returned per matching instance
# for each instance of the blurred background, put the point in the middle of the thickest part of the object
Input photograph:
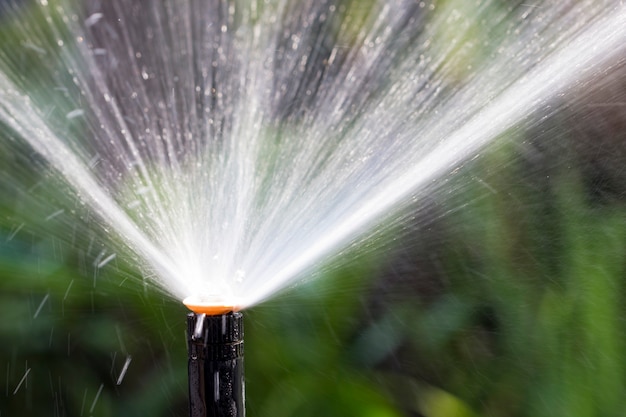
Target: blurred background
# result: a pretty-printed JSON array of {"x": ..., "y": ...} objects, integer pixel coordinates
[{"x": 502, "y": 297}]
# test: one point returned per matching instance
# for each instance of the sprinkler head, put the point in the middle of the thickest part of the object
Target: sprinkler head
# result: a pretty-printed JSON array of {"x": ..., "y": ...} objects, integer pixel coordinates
[
  {"x": 216, "y": 381},
  {"x": 210, "y": 305}
]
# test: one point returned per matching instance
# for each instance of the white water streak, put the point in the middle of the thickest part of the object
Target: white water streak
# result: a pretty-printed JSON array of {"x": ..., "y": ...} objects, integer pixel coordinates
[
  {"x": 21, "y": 381},
  {"x": 14, "y": 232},
  {"x": 120, "y": 378},
  {"x": 608, "y": 37},
  {"x": 106, "y": 260},
  {"x": 95, "y": 400},
  {"x": 45, "y": 298},
  {"x": 39, "y": 135}
]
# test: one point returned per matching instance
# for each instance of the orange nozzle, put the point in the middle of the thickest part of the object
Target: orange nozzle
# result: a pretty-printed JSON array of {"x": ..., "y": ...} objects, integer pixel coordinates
[{"x": 209, "y": 306}]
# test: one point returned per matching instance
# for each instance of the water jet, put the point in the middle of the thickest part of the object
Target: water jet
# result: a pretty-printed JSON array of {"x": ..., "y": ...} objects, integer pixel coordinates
[{"x": 256, "y": 140}]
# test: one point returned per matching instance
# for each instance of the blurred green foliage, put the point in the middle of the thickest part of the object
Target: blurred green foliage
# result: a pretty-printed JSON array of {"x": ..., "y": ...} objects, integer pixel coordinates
[{"x": 505, "y": 299}]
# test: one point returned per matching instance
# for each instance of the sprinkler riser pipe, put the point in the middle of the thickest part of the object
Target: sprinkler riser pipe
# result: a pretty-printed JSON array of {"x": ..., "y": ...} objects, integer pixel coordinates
[{"x": 216, "y": 367}]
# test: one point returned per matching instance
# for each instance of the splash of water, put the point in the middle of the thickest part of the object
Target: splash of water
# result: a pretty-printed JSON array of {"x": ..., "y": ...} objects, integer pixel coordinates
[{"x": 233, "y": 145}]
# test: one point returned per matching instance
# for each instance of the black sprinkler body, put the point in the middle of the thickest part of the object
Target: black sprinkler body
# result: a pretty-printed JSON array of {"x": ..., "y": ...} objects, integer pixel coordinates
[{"x": 216, "y": 377}]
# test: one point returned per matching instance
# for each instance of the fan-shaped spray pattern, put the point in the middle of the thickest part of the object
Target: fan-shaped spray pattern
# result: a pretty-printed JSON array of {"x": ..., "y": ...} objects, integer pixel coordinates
[{"x": 233, "y": 145}]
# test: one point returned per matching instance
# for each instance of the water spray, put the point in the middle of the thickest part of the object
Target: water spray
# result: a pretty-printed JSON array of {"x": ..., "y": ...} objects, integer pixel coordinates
[
  {"x": 265, "y": 138},
  {"x": 215, "y": 346}
]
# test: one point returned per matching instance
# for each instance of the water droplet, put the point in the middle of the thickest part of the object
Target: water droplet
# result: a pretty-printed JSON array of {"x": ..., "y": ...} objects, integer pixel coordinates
[
  {"x": 93, "y": 19},
  {"x": 74, "y": 114}
]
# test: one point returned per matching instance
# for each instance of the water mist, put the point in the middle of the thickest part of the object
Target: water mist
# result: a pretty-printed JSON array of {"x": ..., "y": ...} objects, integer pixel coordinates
[{"x": 231, "y": 147}]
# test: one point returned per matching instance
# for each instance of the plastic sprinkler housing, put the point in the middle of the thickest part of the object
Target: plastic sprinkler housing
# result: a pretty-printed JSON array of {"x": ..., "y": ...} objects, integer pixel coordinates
[{"x": 216, "y": 377}]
